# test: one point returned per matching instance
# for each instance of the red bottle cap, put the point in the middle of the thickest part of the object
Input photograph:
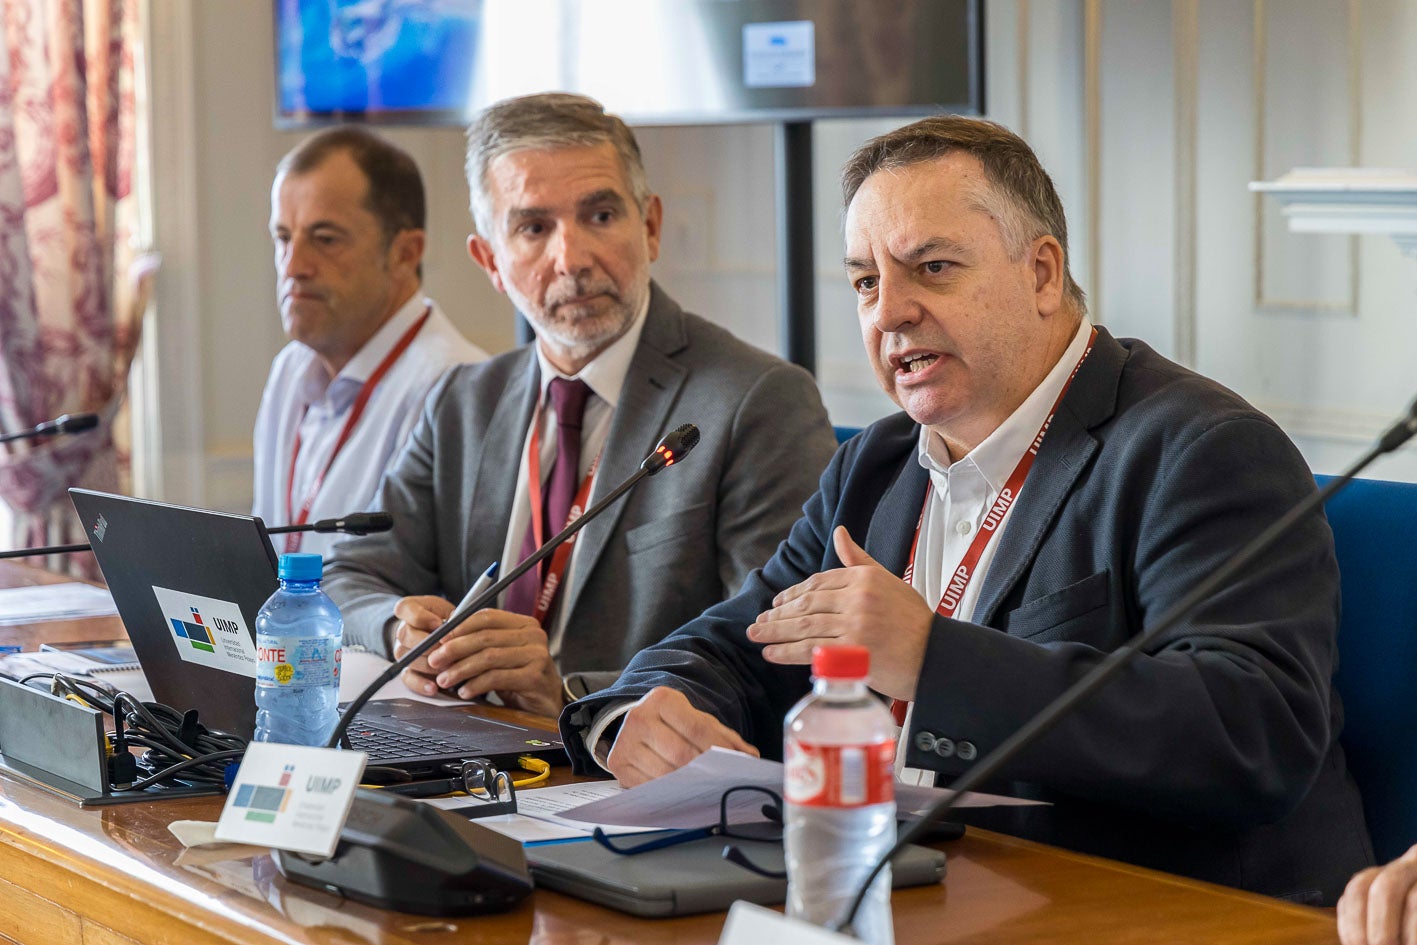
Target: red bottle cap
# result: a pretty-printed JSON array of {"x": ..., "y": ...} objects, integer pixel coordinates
[{"x": 841, "y": 662}]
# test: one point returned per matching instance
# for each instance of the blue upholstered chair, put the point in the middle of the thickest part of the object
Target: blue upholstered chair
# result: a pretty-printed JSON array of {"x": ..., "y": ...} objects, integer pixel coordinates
[
  {"x": 845, "y": 433},
  {"x": 1375, "y": 532}
]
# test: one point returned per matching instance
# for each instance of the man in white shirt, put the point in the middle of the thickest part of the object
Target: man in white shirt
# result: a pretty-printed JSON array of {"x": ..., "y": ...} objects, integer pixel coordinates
[
  {"x": 347, "y": 218},
  {"x": 509, "y": 451},
  {"x": 1047, "y": 491}
]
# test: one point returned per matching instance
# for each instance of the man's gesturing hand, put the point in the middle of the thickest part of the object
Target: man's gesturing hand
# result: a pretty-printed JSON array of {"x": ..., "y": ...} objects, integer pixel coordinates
[
  {"x": 860, "y": 603},
  {"x": 663, "y": 732}
]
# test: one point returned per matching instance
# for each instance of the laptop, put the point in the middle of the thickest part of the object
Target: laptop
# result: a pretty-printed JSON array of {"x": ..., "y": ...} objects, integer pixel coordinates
[
  {"x": 188, "y": 583},
  {"x": 689, "y": 878}
]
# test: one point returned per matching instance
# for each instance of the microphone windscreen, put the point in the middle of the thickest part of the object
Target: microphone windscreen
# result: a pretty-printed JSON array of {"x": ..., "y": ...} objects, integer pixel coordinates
[
  {"x": 76, "y": 422},
  {"x": 377, "y": 522},
  {"x": 683, "y": 439},
  {"x": 674, "y": 447},
  {"x": 365, "y": 523}
]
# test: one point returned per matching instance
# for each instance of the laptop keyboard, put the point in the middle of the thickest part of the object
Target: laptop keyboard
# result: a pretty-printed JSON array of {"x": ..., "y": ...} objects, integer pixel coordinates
[{"x": 382, "y": 743}]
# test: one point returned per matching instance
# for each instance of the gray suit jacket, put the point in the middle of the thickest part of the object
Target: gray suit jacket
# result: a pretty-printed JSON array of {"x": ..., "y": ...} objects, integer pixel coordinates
[{"x": 679, "y": 542}]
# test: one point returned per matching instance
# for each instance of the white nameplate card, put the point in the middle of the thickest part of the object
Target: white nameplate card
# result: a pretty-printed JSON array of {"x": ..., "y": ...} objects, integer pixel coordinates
[
  {"x": 291, "y": 797},
  {"x": 749, "y": 924}
]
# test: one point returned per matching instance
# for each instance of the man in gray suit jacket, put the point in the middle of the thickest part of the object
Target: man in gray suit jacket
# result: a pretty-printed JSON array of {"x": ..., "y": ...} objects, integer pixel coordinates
[
  {"x": 1048, "y": 492},
  {"x": 567, "y": 228}
]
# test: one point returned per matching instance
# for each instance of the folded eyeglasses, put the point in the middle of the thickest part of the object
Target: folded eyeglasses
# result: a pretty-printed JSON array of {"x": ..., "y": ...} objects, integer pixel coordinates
[{"x": 768, "y": 830}]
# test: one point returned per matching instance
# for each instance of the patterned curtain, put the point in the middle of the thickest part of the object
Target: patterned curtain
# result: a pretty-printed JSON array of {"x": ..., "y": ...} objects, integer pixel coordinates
[{"x": 67, "y": 330}]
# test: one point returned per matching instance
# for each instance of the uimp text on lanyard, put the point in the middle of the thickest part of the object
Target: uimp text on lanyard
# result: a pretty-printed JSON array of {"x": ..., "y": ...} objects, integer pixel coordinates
[
  {"x": 293, "y": 539},
  {"x": 954, "y": 590},
  {"x": 555, "y": 568}
]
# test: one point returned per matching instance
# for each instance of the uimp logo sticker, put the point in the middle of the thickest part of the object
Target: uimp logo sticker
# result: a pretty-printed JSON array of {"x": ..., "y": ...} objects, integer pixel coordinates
[{"x": 208, "y": 631}]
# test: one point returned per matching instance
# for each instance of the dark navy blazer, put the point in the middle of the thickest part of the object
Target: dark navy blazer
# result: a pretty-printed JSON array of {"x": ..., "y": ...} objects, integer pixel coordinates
[{"x": 1214, "y": 754}]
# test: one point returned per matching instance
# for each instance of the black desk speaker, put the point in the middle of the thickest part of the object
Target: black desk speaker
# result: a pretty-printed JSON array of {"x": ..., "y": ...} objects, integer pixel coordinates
[{"x": 398, "y": 854}]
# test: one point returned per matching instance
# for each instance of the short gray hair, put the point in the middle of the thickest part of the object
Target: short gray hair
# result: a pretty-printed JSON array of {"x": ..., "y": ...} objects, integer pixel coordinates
[
  {"x": 1024, "y": 202},
  {"x": 539, "y": 122}
]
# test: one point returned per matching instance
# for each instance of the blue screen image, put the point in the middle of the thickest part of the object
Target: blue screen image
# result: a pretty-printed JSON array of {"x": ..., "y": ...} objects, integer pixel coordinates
[{"x": 375, "y": 55}]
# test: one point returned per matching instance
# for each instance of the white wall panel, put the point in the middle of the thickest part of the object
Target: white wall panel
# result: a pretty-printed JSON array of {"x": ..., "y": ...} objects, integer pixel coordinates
[{"x": 1332, "y": 375}]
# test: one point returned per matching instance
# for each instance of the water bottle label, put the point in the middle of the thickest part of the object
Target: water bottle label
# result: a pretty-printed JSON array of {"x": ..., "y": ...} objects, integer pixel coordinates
[
  {"x": 839, "y": 775},
  {"x": 297, "y": 662}
]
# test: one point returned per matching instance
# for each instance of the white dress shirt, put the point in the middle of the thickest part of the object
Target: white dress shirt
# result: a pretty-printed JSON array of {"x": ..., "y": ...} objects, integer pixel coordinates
[
  {"x": 605, "y": 376},
  {"x": 963, "y": 492},
  {"x": 301, "y": 397}
]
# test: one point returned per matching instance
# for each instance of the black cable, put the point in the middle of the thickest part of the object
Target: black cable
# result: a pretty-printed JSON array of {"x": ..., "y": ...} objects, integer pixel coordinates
[
  {"x": 178, "y": 748},
  {"x": 172, "y": 770}
]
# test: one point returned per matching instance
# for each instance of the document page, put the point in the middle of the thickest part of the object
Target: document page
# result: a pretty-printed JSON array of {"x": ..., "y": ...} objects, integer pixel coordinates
[
  {"x": 689, "y": 797},
  {"x": 539, "y": 819}
]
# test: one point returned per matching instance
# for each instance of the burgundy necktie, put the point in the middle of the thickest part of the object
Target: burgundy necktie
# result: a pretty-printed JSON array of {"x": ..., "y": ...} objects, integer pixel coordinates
[{"x": 568, "y": 399}]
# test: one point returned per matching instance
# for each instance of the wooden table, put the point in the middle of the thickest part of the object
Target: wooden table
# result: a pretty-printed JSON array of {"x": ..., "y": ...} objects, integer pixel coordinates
[{"x": 117, "y": 876}]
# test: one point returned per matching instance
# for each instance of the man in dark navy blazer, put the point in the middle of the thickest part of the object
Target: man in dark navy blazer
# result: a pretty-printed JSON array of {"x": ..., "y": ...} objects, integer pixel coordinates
[{"x": 1054, "y": 489}]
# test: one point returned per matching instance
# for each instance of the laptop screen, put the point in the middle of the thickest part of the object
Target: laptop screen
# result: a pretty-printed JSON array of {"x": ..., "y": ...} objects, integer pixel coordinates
[{"x": 187, "y": 584}]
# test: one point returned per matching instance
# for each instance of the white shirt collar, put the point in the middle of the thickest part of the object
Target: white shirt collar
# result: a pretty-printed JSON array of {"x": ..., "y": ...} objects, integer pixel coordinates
[
  {"x": 998, "y": 454},
  {"x": 367, "y": 358},
  {"x": 605, "y": 375}
]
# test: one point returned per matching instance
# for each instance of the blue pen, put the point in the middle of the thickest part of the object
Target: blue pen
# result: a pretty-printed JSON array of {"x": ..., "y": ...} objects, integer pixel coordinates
[{"x": 478, "y": 586}]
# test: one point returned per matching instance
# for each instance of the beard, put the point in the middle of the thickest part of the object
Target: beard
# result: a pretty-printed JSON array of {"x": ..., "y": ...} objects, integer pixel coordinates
[{"x": 582, "y": 329}]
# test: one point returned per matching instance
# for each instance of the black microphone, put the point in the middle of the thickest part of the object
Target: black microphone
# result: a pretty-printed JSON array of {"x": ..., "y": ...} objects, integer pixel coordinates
[
  {"x": 359, "y": 523},
  {"x": 672, "y": 449},
  {"x": 68, "y": 423},
  {"x": 1399, "y": 433}
]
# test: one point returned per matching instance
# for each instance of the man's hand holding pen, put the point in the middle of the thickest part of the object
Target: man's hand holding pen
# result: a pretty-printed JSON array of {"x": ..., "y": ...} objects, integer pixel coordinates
[{"x": 491, "y": 651}]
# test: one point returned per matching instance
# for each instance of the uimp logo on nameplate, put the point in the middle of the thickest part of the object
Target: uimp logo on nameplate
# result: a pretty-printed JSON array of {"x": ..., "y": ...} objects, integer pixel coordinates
[
  {"x": 291, "y": 797},
  {"x": 208, "y": 631}
]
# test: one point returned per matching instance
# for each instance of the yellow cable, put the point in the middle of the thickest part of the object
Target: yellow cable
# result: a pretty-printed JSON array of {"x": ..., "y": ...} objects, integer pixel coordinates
[{"x": 540, "y": 767}]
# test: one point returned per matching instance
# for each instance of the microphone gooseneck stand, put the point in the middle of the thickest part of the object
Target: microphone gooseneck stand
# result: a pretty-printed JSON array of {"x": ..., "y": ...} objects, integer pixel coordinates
[
  {"x": 68, "y": 423},
  {"x": 675, "y": 445},
  {"x": 359, "y": 523},
  {"x": 1399, "y": 433}
]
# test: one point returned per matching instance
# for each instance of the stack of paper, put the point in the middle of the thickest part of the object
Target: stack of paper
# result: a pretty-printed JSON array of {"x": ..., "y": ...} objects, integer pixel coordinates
[{"x": 70, "y": 601}]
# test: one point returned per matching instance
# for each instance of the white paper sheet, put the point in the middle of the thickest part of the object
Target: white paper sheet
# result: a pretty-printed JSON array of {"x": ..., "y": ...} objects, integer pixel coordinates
[
  {"x": 689, "y": 797},
  {"x": 539, "y": 817},
  {"x": 68, "y": 601}
]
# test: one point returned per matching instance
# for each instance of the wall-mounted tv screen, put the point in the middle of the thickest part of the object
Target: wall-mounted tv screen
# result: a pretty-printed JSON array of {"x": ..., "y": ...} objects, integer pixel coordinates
[{"x": 652, "y": 61}]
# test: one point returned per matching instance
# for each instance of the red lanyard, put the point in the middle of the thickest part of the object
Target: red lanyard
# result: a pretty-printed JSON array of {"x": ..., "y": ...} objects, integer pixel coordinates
[
  {"x": 954, "y": 590},
  {"x": 292, "y": 539},
  {"x": 555, "y": 569}
]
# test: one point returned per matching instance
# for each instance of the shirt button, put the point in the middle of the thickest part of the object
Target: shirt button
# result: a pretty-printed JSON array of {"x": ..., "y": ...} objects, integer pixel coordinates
[{"x": 963, "y": 527}]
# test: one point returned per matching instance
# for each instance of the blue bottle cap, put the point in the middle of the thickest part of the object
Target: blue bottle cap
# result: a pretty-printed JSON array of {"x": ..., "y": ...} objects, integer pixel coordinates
[{"x": 301, "y": 566}]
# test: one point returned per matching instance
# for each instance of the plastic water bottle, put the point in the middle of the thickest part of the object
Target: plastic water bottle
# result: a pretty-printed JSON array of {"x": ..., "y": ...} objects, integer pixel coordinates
[
  {"x": 298, "y": 636},
  {"x": 840, "y": 793}
]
